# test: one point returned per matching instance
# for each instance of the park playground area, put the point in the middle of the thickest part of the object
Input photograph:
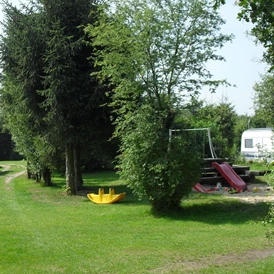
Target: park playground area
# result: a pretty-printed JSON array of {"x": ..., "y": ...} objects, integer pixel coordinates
[
  {"x": 256, "y": 193},
  {"x": 46, "y": 231}
]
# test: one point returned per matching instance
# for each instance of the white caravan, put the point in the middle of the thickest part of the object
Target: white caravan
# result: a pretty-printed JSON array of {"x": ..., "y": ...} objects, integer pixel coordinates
[{"x": 257, "y": 143}]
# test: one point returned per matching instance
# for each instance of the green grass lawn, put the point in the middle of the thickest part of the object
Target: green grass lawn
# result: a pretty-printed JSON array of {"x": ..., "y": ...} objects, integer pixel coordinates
[{"x": 45, "y": 231}]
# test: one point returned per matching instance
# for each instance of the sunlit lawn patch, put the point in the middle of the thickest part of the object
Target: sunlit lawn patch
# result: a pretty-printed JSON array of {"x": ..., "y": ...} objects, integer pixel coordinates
[{"x": 45, "y": 231}]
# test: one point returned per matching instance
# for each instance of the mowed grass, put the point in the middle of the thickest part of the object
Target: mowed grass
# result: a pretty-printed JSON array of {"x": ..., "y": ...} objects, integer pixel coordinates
[{"x": 45, "y": 231}]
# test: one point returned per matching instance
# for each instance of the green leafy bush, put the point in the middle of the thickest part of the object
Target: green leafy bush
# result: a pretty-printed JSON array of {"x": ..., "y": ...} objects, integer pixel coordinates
[{"x": 161, "y": 168}]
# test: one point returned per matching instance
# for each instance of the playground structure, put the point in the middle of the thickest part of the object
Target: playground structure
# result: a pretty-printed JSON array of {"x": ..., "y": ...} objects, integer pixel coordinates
[
  {"x": 206, "y": 133},
  {"x": 102, "y": 198},
  {"x": 215, "y": 170},
  {"x": 230, "y": 176},
  {"x": 199, "y": 188},
  {"x": 224, "y": 174},
  {"x": 212, "y": 174}
]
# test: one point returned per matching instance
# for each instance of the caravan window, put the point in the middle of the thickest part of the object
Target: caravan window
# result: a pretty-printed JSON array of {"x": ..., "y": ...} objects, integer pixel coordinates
[{"x": 248, "y": 143}]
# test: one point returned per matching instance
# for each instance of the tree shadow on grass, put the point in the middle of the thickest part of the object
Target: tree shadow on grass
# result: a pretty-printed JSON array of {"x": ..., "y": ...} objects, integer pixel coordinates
[
  {"x": 96, "y": 180},
  {"x": 198, "y": 207},
  {"x": 101, "y": 178},
  {"x": 218, "y": 210},
  {"x": 6, "y": 172},
  {"x": 211, "y": 209}
]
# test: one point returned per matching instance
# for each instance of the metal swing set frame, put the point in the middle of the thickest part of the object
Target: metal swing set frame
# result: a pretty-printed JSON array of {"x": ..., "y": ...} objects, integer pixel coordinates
[{"x": 212, "y": 151}]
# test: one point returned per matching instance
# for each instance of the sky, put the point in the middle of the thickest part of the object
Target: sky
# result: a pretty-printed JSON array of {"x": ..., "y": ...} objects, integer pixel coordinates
[
  {"x": 241, "y": 69},
  {"x": 243, "y": 65}
]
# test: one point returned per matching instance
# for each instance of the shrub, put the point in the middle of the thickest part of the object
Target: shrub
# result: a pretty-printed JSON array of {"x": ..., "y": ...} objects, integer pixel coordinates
[{"x": 161, "y": 168}]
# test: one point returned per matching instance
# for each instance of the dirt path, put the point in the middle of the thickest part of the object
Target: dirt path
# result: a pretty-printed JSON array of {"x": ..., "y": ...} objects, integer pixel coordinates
[
  {"x": 5, "y": 168},
  {"x": 11, "y": 177},
  {"x": 8, "y": 179}
]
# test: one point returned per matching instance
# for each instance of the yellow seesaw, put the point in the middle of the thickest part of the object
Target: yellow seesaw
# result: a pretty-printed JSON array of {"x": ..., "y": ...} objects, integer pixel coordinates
[{"x": 102, "y": 198}]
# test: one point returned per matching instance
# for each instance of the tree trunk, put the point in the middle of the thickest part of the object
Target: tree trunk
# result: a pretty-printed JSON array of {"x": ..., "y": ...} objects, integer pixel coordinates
[
  {"x": 29, "y": 174},
  {"x": 70, "y": 173},
  {"x": 47, "y": 177},
  {"x": 28, "y": 171},
  {"x": 77, "y": 167},
  {"x": 37, "y": 177}
]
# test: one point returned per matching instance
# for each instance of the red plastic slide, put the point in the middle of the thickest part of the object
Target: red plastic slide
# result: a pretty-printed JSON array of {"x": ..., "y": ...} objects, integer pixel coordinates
[
  {"x": 230, "y": 176},
  {"x": 199, "y": 188}
]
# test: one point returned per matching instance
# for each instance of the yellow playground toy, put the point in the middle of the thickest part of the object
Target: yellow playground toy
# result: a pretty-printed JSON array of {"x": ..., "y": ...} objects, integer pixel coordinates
[{"x": 102, "y": 198}]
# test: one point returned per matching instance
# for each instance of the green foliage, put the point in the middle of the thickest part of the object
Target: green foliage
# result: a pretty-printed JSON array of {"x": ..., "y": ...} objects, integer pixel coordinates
[
  {"x": 269, "y": 218},
  {"x": 218, "y": 3},
  {"x": 155, "y": 166},
  {"x": 21, "y": 50},
  {"x": 264, "y": 99},
  {"x": 242, "y": 123},
  {"x": 260, "y": 13},
  {"x": 154, "y": 54},
  {"x": 220, "y": 118},
  {"x": 224, "y": 117},
  {"x": 49, "y": 99},
  {"x": 7, "y": 147},
  {"x": 145, "y": 41}
]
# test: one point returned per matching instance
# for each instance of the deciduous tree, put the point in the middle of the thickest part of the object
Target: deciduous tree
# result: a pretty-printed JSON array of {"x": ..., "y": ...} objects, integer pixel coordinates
[
  {"x": 155, "y": 54},
  {"x": 260, "y": 14},
  {"x": 264, "y": 99}
]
